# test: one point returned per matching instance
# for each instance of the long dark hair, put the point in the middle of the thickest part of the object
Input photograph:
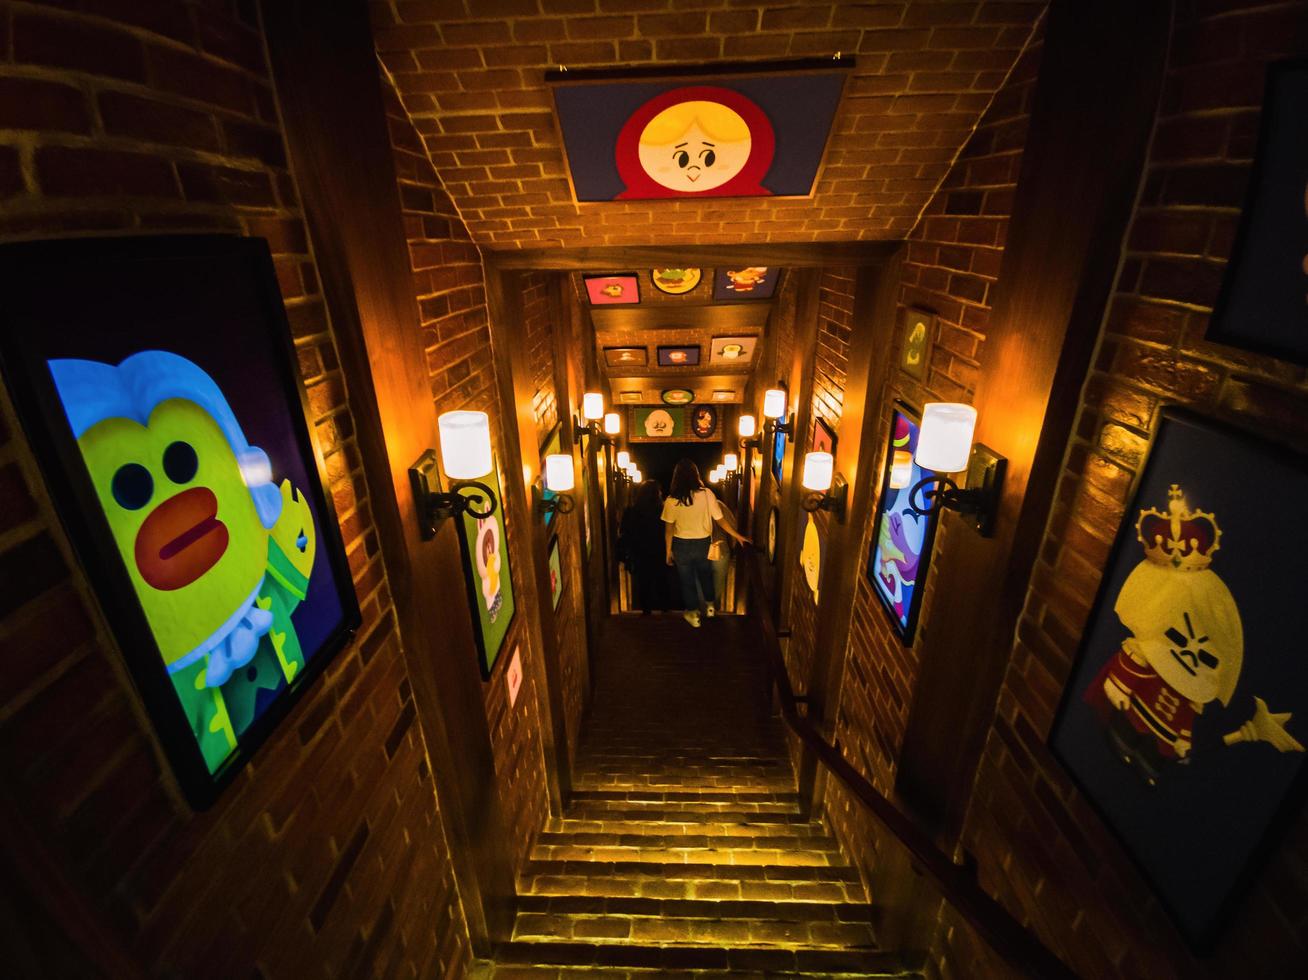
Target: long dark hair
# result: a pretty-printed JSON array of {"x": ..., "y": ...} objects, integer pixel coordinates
[
  {"x": 649, "y": 499},
  {"x": 685, "y": 482}
]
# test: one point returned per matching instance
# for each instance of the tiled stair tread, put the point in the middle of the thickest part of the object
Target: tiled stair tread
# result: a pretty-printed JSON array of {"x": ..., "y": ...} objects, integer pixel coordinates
[
  {"x": 692, "y": 888},
  {"x": 689, "y": 909},
  {"x": 693, "y": 871},
  {"x": 734, "y": 857},
  {"x": 485, "y": 970},
  {"x": 705, "y": 814},
  {"x": 672, "y": 930},
  {"x": 652, "y": 826},
  {"x": 808, "y": 842},
  {"x": 863, "y": 963},
  {"x": 685, "y": 795}
]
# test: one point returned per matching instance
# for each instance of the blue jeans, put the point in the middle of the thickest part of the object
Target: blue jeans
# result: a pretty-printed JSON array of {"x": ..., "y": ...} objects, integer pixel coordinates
[{"x": 690, "y": 555}]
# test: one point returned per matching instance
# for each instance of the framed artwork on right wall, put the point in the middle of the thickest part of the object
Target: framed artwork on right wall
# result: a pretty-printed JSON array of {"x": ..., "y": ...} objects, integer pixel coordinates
[{"x": 903, "y": 536}]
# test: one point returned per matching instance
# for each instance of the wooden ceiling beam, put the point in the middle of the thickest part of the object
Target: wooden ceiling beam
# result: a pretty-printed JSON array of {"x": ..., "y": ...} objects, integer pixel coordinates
[{"x": 612, "y": 258}]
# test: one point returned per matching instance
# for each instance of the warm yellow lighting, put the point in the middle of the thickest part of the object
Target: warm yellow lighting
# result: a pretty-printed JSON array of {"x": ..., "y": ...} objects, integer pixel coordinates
[
  {"x": 774, "y": 403},
  {"x": 636, "y": 475},
  {"x": 559, "y": 477},
  {"x": 945, "y": 440},
  {"x": 592, "y": 406},
  {"x": 818, "y": 470},
  {"x": 465, "y": 445},
  {"x": 624, "y": 459},
  {"x": 901, "y": 469},
  {"x": 730, "y": 462},
  {"x": 612, "y": 423},
  {"x": 715, "y": 475},
  {"x": 746, "y": 426}
]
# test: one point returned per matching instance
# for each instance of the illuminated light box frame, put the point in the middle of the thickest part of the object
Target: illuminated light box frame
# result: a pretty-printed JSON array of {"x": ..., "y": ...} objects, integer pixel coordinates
[
  {"x": 900, "y": 553},
  {"x": 157, "y": 383}
]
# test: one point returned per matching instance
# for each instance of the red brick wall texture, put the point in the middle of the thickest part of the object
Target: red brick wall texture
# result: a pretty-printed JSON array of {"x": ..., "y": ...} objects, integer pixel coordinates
[
  {"x": 471, "y": 75},
  {"x": 326, "y": 857}
]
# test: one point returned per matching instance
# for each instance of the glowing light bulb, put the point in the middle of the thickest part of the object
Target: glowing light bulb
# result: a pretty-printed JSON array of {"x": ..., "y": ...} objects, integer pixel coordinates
[
  {"x": 465, "y": 444},
  {"x": 612, "y": 423},
  {"x": 559, "y": 475},
  {"x": 624, "y": 459},
  {"x": 592, "y": 406},
  {"x": 818, "y": 470},
  {"x": 746, "y": 426},
  {"x": 944, "y": 442},
  {"x": 730, "y": 462},
  {"x": 774, "y": 403}
]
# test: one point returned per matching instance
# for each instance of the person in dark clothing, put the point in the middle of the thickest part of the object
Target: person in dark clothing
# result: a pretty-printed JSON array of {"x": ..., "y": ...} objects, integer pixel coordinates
[{"x": 640, "y": 545}]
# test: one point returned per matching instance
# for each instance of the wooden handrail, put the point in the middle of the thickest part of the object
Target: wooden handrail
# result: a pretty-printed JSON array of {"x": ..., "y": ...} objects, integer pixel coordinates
[{"x": 1011, "y": 941}]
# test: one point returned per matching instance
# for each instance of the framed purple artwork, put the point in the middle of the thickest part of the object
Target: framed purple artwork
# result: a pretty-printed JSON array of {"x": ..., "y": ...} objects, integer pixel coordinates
[
  {"x": 686, "y": 356},
  {"x": 730, "y": 134},
  {"x": 157, "y": 383},
  {"x": 744, "y": 283},
  {"x": 612, "y": 290}
]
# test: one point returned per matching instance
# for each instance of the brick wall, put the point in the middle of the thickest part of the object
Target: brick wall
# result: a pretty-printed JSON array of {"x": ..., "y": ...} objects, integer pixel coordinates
[
  {"x": 472, "y": 76},
  {"x": 451, "y": 294},
  {"x": 1040, "y": 847},
  {"x": 325, "y": 857},
  {"x": 950, "y": 266}
]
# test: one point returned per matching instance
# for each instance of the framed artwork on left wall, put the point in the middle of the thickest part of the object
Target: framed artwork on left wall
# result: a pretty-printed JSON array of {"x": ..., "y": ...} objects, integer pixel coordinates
[{"x": 156, "y": 381}]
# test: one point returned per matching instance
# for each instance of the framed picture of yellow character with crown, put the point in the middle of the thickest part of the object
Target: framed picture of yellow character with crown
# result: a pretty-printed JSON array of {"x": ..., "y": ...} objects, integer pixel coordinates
[{"x": 1185, "y": 719}]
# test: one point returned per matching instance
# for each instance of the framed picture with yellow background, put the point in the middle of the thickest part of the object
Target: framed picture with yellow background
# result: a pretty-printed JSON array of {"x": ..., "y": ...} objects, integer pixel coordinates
[{"x": 919, "y": 329}]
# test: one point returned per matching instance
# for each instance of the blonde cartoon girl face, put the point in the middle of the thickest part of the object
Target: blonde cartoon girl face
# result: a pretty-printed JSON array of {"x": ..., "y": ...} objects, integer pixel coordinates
[{"x": 694, "y": 146}]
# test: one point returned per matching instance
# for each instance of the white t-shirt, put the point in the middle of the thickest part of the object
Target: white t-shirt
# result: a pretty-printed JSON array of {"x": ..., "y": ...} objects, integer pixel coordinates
[{"x": 695, "y": 521}]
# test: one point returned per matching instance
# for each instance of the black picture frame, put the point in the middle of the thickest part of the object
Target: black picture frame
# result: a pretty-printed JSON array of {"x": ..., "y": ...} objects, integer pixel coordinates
[
  {"x": 492, "y": 603},
  {"x": 901, "y": 597},
  {"x": 1260, "y": 306},
  {"x": 1243, "y": 795},
  {"x": 204, "y": 311}
]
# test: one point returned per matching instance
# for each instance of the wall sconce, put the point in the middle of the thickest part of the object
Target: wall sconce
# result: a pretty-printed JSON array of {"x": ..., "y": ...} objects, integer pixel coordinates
[
  {"x": 624, "y": 459},
  {"x": 774, "y": 411},
  {"x": 819, "y": 475},
  {"x": 465, "y": 456},
  {"x": 592, "y": 410},
  {"x": 558, "y": 479},
  {"x": 612, "y": 423},
  {"x": 747, "y": 429},
  {"x": 730, "y": 462},
  {"x": 944, "y": 444},
  {"x": 715, "y": 475},
  {"x": 635, "y": 474}
]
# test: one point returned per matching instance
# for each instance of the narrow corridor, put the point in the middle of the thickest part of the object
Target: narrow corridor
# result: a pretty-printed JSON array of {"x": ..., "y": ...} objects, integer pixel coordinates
[{"x": 683, "y": 847}]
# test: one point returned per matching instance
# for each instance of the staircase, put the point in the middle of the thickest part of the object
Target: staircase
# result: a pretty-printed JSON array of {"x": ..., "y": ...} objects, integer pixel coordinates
[{"x": 683, "y": 849}]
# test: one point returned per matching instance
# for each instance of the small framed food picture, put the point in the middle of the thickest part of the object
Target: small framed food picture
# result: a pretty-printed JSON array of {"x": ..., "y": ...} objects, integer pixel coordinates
[
  {"x": 612, "y": 290},
  {"x": 684, "y": 356},
  {"x": 675, "y": 282}
]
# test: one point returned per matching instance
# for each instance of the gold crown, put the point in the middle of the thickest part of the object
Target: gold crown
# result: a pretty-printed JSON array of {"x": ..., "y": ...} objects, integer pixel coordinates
[{"x": 1182, "y": 538}]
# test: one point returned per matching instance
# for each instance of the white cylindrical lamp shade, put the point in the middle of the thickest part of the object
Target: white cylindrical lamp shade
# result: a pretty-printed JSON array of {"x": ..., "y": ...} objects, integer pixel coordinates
[
  {"x": 730, "y": 462},
  {"x": 559, "y": 476},
  {"x": 624, "y": 459},
  {"x": 715, "y": 475},
  {"x": 944, "y": 442},
  {"x": 612, "y": 423},
  {"x": 746, "y": 426},
  {"x": 901, "y": 469},
  {"x": 592, "y": 406},
  {"x": 636, "y": 475},
  {"x": 818, "y": 470},
  {"x": 465, "y": 445},
  {"x": 774, "y": 403}
]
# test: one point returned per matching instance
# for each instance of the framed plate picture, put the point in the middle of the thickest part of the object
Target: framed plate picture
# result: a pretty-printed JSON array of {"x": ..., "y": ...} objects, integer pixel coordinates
[
  {"x": 732, "y": 350},
  {"x": 612, "y": 290},
  {"x": 703, "y": 421},
  {"x": 675, "y": 282},
  {"x": 556, "y": 573},
  {"x": 745, "y": 283},
  {"x": 1261, "y": 306},
  {"x": 903, "y": 536},
  {"x": 1185, "y": 719},
  {"x": 687, "y": 356},
  {"x": 626, "y": 356},
  {"x": 487, "y": 575},
  {"x": 157, "y": 383},
  {"x": 677, "y": 396}
]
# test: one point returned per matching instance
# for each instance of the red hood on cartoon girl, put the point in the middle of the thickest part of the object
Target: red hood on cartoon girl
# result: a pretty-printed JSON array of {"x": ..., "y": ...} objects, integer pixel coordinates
[{"x": 745, "y": 182}]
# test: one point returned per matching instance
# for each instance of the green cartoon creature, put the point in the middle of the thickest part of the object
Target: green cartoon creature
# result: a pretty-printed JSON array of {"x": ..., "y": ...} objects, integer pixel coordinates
[{"x": 219, "y": 556}]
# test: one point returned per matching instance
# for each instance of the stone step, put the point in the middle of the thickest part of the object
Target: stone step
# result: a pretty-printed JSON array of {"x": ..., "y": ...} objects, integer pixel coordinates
[
  {"x": 779, "y": 911},
  {"x": 737, "y": 961},
  {"x": 742, "y": 882},
  {"x": 675, "y": 930},
  {"x": 730, "y": 853},
  {"x": 652, "y": 826},
  {"x": 685, "y": 796},
  {"x": 617, "y": 810},
  {"x": 656, "y": 835}
]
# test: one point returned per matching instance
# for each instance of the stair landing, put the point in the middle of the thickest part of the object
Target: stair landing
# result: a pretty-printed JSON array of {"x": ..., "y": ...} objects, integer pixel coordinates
[{"x": 683, "y": 851}]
